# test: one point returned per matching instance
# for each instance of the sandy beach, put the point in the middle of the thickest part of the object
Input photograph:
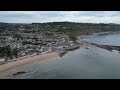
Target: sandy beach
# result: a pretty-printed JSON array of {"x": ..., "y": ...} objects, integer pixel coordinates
[{"x": 28, "y": 60}]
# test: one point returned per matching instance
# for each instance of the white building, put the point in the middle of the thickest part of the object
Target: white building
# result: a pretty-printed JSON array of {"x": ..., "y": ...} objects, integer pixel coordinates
[{"x": 2, "y": 59}]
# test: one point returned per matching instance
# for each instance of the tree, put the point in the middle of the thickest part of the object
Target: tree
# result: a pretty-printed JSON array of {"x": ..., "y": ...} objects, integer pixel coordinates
[
  {"x": 72, "y": 37},
  {"x": 8, "y": 51},
  {"x": 5, "y": 51},
  {"x": 15, "y": 52}
]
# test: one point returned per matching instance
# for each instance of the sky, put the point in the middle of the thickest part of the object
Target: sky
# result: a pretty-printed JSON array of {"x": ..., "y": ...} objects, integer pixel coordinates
[{"x": 59, "y": 16}]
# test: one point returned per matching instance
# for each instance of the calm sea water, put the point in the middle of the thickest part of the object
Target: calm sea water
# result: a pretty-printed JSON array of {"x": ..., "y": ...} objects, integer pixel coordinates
[
  {"x": 93, "y": 63},
  {"x": 109, "y": 39}
]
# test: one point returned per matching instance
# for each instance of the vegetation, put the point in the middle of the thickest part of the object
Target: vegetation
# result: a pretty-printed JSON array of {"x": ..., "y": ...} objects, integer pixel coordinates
[
  {"x": 82, "y": 27},
  {"x": 72, "y": 37},
  {"x": 14, "y": 52},
  {"x": 77, "y": 28},
  {"x": 6, "y": 51},
  {"x": 26, "y": 42},
  {"x": 49, "y": 35},
  {"x": 18, "y": 36}
]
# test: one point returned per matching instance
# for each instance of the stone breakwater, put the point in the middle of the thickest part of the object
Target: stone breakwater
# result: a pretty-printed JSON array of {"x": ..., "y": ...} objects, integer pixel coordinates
[{"x": 107, "y": 47}]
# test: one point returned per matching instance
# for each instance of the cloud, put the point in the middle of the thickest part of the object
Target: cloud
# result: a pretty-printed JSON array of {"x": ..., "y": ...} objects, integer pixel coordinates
[{"x": 50, "y": 16}]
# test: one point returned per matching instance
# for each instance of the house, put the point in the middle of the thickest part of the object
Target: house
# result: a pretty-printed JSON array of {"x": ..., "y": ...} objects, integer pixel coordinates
[
  {"x": 8, "y": 59},
  {"x": 13, "y": 58},
  {"x": 2, "y": 59}
]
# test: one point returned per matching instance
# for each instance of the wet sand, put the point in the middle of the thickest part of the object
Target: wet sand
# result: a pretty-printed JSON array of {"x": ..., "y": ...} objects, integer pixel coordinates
[{"x": 27, "y": 60}]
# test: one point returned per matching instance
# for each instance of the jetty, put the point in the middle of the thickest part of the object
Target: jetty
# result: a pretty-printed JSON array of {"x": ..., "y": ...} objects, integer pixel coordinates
[
  {"x": 108, "y": 47},
  {"x": 71, "y": 48}
]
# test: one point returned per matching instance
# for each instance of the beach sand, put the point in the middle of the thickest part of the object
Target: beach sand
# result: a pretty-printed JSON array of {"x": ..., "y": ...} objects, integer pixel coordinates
[{"x": 28, "y": 60}]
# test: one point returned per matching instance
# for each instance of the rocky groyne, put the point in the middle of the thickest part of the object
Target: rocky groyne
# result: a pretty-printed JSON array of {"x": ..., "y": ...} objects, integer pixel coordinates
[
  {"x": 72, "y": 48},
  {"x": 62, "y": 53},
  {"x": 107, "y": 47}
]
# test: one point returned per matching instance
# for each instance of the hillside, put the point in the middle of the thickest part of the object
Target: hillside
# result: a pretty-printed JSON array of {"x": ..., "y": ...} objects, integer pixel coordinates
[{"x": 77, "y": 28}]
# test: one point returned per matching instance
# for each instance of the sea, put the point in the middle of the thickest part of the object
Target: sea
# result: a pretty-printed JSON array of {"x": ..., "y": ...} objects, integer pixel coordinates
[{"x": 92, "y": 63}]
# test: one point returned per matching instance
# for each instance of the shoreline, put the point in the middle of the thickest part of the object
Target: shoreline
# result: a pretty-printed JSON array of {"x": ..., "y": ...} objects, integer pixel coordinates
[
  {"x": 27, "y": 60},
  {"x": 30, "y": 59},
  {"x": 105, "y": 33}
]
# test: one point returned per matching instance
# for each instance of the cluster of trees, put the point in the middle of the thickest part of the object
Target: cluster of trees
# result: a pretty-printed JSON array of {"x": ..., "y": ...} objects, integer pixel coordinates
[
  {"x": 17, "y": 36},
  {"x": 72, "y": 37},
  {"x": 8, "y": 52},
  {"x": 33, "y": 43}
]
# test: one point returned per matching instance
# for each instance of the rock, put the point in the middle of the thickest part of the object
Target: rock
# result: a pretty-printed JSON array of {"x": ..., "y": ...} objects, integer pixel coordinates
[
  {"x": 62, "y": 53},
  {"x": 19, "y": 73}
]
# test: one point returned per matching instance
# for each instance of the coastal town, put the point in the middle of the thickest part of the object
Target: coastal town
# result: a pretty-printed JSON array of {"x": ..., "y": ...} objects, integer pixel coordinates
[
  {"x": 24, "y": 40},
  {"x": 59, "y": 44},
  {"x": 21, "y": 40}
]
